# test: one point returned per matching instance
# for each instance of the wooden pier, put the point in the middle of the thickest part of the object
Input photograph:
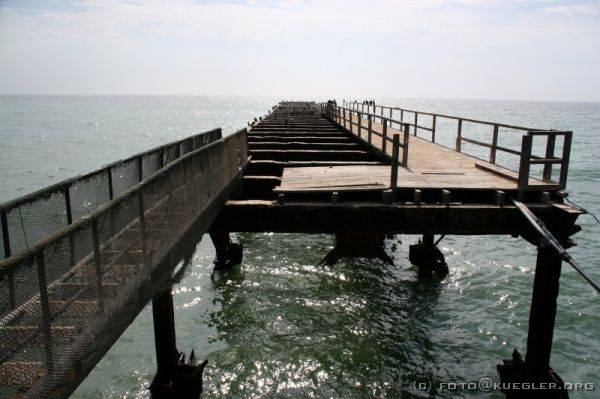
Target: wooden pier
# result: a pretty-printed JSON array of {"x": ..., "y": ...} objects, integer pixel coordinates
[{"x": 361, "y": 174}]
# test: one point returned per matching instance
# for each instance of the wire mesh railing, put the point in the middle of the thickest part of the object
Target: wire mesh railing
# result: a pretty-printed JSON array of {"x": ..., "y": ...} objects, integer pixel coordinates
[
  {"x": 27, "y": 220},
  {"x": 67, "y": 298}
]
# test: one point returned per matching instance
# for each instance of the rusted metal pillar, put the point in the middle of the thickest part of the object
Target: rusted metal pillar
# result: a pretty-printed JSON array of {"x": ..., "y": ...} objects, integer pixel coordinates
[
  {"x": 543, "y": 310},
  {"x": 228, "y": 253},
  {"x": 427, "y": 257},
  {"x": 174, "y": 379},
  {"x": 536, "y": 367},
  {"x": 164, "y": 341}
]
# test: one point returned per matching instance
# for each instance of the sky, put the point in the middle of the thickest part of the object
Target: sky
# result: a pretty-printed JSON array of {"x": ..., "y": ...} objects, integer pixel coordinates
[{"x": 485, "y": 49}]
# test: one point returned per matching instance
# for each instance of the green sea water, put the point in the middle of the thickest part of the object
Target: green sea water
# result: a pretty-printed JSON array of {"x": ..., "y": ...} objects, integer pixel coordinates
[{"x": 281, "y": 326}]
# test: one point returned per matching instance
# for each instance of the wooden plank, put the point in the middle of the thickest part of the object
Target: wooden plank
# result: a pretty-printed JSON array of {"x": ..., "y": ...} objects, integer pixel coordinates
[{"x": 349, "y": 178}]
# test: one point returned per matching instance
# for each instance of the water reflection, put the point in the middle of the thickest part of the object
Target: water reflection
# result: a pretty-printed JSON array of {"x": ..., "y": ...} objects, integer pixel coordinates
[{"x": 295, "y": 329}]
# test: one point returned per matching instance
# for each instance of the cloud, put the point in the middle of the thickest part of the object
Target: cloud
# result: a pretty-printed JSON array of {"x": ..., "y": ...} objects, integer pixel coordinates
[{"x": 195, "y": 45}]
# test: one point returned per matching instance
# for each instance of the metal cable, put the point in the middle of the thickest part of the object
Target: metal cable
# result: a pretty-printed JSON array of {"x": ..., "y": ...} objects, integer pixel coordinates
[
  {"x": 540, "y": 226},
  {"x": 583, "y": 209}
]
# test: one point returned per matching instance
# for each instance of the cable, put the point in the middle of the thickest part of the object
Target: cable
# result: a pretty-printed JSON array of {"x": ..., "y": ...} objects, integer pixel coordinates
[
  {"x": 539, "y": 225},
  {"x": 583, "y": 209}
]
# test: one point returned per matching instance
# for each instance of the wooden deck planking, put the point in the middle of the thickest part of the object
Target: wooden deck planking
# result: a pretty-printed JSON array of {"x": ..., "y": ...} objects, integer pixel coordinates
[{"x": 430, "y": 166}]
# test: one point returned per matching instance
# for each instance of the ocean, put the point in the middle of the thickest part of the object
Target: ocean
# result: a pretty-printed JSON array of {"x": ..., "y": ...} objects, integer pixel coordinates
[{"x": 280, "y": 325}]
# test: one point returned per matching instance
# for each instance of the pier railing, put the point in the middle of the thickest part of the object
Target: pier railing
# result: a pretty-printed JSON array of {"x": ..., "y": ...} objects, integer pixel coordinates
[
  {"x": 29, "y": 219},
  {"x": 67, "y": 298},
  {"x": 537, "y": 151}
]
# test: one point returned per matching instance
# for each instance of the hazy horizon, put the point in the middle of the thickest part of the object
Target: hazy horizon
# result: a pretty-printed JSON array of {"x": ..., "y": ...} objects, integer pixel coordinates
[{"x": 519, "y": 50}]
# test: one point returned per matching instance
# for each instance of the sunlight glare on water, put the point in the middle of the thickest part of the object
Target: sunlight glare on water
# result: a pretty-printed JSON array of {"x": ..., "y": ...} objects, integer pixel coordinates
[{"x": 280, "y": 325}]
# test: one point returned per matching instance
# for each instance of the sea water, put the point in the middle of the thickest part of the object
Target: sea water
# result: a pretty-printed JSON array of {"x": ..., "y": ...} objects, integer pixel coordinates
[{"x": 280, "y": 325}]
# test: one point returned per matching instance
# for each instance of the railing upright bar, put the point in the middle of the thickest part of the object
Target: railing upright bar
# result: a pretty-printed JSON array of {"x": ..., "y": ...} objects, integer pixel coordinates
[
  {"x": 359, "y": 115},
  {"x": 143, "y": 231},
  {"x": 69, "y": 213},
  {"x": 494, "y": 147},
  {"x": 384, "y": 138},
  {"x": 394, "y": 172},
  {"x": 433, "y": 127},
  {"x": 416, "y": 125},
  {"x": 405, "y": 145},
  {"x": 46, "y": 323},
  {"x": 550, "y": 145},
  {"x": 459, "y": 135},
  {"x": 111, "y": 190},
  {"x": 12, "y": 294},
  {"x": 5, "y": 234},
  {"x": 564, "y": 167},
  {"x": 98, "y": 264},
  {"x": 139, "y": 167},
  {"x": 524, "y": 166},
  {"x": 370, "y": 127}
]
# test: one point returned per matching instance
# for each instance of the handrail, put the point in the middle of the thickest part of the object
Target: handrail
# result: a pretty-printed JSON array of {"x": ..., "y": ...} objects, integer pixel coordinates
[
  {"x": 6, "y": 264},
  {"x": 526, "y": 157},
  {"x": 124, "y": 227},
  {"x": 163, "y": 154}
]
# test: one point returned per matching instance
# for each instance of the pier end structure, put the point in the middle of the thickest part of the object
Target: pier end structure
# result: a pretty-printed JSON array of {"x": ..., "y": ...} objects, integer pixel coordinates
[{"x": 365, "y": 169}]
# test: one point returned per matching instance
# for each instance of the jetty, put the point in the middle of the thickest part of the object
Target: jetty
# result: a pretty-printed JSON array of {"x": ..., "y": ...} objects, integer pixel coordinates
[{"x": 83, "y": 257}]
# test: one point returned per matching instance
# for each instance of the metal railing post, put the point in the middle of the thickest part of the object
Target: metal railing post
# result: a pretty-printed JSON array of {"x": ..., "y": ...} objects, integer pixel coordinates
[
  {"x": 111, "y": 191},
  {"x": 98, "y": 264},
  {"x": 550, "y": 145},
  {"x": 433, "y": 127},
  {"x": 394, "y": 172},
  {"x": 494, "y": 146},
  {"x": 5, "y": 234},
  {"x": 359, "y": 115},
  {"x": 405, "y": 145},
  {"x": 524, "y": 166},
  {"x": 370, "y": 127},
  {"x": 69, "y": 213},
  {"x": 564, "y": 166},
  {"x": 46, "y": 323},
  {"x": 143, "y": 231},
  {"x": 384, "y": 138},
  {"x": 416, "y": 119},
  {"x": 11, "y": 278},
  {"x": 139, "y": 166},
  {"x": 459, "y": 135}
]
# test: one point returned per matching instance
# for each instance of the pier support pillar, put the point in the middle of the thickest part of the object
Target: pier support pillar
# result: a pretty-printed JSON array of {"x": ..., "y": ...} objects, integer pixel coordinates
[
  {"x": 228, "y": 253},
  {"x": 357, "y": 244},
  {"x": 427, "y": 257},
  {"x": 174, "y": 377},
  {"x": 536, "y": 367}
]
